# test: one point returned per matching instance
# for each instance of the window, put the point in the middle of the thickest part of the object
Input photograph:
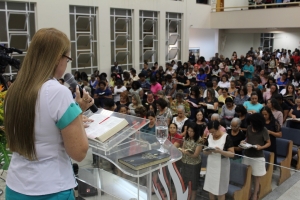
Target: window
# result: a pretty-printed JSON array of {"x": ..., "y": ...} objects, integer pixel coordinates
[
  {"x": 266, "y": 41},
  {"x": 173, "y": 36},
  {"x": 17, "y": 27},
  {"x": 148, "y": 38},
  {"x": 121, "y": 37},
  {"x": 83, "y": 27}
]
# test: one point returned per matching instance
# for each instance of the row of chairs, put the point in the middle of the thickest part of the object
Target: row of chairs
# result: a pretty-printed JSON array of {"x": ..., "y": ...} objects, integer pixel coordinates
[{"x": 240, "y": 174}]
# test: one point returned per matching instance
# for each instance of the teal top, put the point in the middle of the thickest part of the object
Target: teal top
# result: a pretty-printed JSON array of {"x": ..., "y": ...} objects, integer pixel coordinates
[
  {"x": 71, "y": 113},
  {"x": 249, "y": 106},
  {"x": 249, "y": 74}
]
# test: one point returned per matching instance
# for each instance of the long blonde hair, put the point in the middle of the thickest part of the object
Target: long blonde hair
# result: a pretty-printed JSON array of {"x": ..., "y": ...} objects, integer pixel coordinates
[{"x": 47, "y": 47}]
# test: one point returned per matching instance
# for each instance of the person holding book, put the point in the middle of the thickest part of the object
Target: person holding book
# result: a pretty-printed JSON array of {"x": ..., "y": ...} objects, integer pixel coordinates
[
  {"x": 193, "y": 99},
  {"x": 274, "y": 128},
  {"x": 242, "y": 114},
  {"x": 200, "y": 122},
  {"x": 237, "y": 135},
  {"x": 118, "y": 89},
  {"x": 124, "y": 100},
  {"x": 39, "y": 135},
  {"x": 228, "y": 111},
  {"x": 174, "y": 137},
  {"x": 210, "y": 103},
  {"x": 101, "y": 93},
  {"x": 258, "y": 136},
  {"x": 295, "y": 115},
  {"x": 191, "y": 160},
  {"x": 224, "y": 83},
  {"x": 289, "y": 94},
  {"x": 179, "y": 101},
  {"x": 220, "y": 149},
  {"x": 241, "y": 96},
  {"x": 248, "y": 70}
]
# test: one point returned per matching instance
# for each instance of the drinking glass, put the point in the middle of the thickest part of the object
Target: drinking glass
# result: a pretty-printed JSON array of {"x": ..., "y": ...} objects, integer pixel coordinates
[{"x": 162, "y": 132}]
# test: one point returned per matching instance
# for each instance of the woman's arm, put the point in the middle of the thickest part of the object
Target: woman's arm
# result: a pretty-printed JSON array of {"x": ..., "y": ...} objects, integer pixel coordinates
[
  {"x": 196, "y": 153},
  {"x": 73, "y": 135},
  {"x": 267, "y": 144},
  {"x": 291, "y": 114},
  {"x": 275, "y": 134},
  {"x": 173, "y": 89},
  {"x": 229, "y": 153},
  {"x": 216, "y": 105}
]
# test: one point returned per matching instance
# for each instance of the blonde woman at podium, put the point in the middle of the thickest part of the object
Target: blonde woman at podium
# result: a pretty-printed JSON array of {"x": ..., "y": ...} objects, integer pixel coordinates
[{"x": 43, "y": 124}]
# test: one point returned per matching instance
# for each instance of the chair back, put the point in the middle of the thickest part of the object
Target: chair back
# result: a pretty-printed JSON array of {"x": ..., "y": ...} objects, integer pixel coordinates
[
  {"x": 282, "y": 147},
  {"x": 238, "y": 173},
  {"x": 291, "y": 134}
]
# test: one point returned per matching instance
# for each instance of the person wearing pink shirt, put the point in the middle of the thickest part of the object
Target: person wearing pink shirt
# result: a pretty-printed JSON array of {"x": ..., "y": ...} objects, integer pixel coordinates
[
  {"x": 214, "y": 117},
  {"x": 155, "y": 86}
]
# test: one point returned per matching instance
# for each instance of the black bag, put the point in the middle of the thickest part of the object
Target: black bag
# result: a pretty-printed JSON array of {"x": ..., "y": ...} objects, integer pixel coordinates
[{"x": 86, "y": 190}]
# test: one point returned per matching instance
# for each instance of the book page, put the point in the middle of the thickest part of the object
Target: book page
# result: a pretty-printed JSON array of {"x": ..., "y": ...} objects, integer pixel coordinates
[
  {"x": 210, "y": 107},
  {"x": 101, "y": 125}
]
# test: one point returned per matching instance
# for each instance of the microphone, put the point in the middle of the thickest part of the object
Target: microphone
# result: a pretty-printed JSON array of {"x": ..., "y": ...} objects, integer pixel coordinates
[{"x": 69, "y": 78}]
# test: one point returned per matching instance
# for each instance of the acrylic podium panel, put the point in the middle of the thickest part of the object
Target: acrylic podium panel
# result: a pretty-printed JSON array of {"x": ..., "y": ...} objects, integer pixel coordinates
[{"x": 122, "y": 188}]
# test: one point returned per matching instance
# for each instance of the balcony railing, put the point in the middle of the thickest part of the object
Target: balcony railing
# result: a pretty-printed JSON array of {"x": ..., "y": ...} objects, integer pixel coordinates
[{"x": 255, "y": 6}]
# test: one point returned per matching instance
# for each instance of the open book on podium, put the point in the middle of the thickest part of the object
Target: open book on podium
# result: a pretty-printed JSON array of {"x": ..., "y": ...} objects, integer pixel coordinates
[{"x": 109, "y": 129}]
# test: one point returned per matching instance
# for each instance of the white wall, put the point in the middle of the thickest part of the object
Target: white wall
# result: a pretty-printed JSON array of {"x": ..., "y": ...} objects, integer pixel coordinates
[
  {"x": 55, "y": 13},
  {"x": 239, "y": 42},
  {"x": 287, "y": 40},
  {"x": 205, "y": 40}
]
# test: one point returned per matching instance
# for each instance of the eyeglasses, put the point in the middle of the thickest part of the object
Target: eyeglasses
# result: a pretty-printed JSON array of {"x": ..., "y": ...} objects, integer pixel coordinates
[{"x": 69, "y": 59}]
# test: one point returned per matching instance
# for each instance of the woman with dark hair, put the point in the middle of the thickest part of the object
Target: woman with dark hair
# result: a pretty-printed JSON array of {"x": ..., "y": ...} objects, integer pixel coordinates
[
  {"x": 162, "y": 110},
  {"x": 174, "y": 137},
  {"x": 183, "y": 83},
  {"x": 232, "y": 89},
  {"x": 228, "y": 111},
  {"x": 241, "y": 96},
  {"x": 191, "y": 159},
  {"x": 127, "y": 80},
  {"x": 218, "y": 164},
  {"x": 290, "y": 75},
  {"x": 149, "y": 101},
  {"x": 242, "y": 114},
  {"x": 224, "y": 83},
  {"x": 274, "y": 129},
  {"x": 271, "y": 92},
  {"x": 179, "y": 101},
  {"x": 112, "y": 80},
  {"x": 150, "y": 128},
  {"x": 282, "y": 81},
  {"x": 259, "y": 95},
  {"x": 102, "y": 92},
  {"x": 170, "y": 87},
  {"x": 77, "y": 76},
  {"x": 200, "y": 122},
  {"x": 201, "y": 79},
  {"x": 289, "y": 94},
  {"x": 210, "y": 102},
  {"x": 296, "y": 80},
  {"x": 118, "y": 89},
  {"x": 136, "y": 89},
  {"x": 155, "y": 86},
  {"x": 270, "y": 81},
  {"x": 276, "y": 110},
  {"x": 295, "y": 114},
  {"x": 193, "y": 98},
  {"x": 258, "y": 136},
  {"x": 253, "y": 106},
  {"x": 223, "y": 96}
]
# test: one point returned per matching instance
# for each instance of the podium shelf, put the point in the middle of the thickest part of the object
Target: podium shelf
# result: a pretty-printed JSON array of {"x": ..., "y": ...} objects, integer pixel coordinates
[{"x": 138, "y": 143}]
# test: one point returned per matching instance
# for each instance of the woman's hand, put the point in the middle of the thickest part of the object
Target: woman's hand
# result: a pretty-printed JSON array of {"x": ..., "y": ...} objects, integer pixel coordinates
[
  {"x": 217, "y": 150},
  {"x": 258, "y": 147},
  {"x": 294, "y": 117},
  {"x": 85, "y": 101},
  {"x": 86, "y": 121},
  {"x": 243, "y": 142}
]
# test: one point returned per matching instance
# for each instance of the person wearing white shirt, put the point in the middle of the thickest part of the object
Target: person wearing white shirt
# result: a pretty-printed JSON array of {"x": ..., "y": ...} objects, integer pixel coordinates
[
  {"x": 174, "y": 66},
  {"x": 118, "y": 89},
  {"x": 224, "y": 83},
  {"x": 285, "y": 60},
  {"x": 46, "y": 128}
]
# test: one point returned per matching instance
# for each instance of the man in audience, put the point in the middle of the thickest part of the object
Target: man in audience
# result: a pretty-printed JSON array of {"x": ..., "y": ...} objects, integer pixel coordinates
[
  {"x": 259, "y": 62},
  {"x": 116, "y": 68}
]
